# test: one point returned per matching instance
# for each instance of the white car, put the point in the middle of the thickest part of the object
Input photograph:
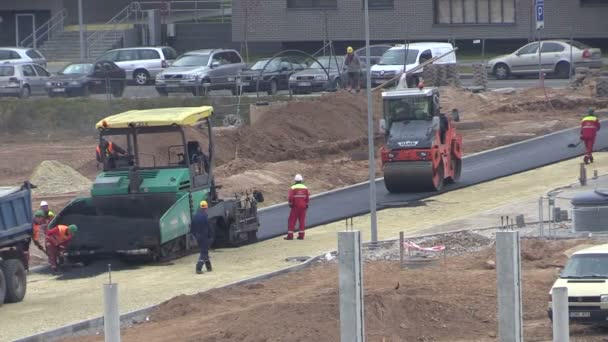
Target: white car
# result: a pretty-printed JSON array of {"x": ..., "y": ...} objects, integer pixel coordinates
[
  {"x": 554, "y": 57},
  {"x": 141, "y": 64},
  {"x": 21, "y": 55},
  {"x": 406, "y": 57},
  {"x": 586, "y": 277},
  {"x": 22, "y": 79}
]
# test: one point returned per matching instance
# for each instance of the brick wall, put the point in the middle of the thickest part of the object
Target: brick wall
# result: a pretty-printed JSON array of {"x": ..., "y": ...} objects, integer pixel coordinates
[{"x": 270, "y": 20}]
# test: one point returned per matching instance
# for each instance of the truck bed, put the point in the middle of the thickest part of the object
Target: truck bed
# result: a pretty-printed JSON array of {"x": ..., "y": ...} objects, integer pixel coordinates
[{"x": 15, "y": 215}]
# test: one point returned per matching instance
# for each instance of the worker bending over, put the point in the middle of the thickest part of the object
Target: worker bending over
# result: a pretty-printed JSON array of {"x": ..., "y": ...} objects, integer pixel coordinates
[
  {"x": 590, "y": 125},
  {"x": 299, "y": 198},
  {"x": 200, "y": 229},
  {"x": 57, "y": 240}
]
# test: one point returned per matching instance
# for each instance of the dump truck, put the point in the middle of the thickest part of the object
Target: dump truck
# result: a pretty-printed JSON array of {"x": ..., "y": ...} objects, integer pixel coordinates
[
  {"x": 422, "y": 149},
  {"x": 142, "y": 202},
  {"x": 15, "y": 237}
]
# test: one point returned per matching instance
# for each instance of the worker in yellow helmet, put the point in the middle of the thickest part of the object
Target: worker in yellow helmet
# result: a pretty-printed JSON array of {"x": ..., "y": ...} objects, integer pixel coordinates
[
  {"x": 200, "y": 229},
  {"x": 353, "y": 69}
]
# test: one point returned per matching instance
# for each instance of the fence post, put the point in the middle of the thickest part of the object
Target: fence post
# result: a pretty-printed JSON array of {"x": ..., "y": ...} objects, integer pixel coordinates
[
  {"x": 111, "y": 316},
  {"x": 561, "y": 318},
  {"x": 401, "y": 251},
  {"x": 351, "y": 287},
  {"x": 508, "y": 280}
]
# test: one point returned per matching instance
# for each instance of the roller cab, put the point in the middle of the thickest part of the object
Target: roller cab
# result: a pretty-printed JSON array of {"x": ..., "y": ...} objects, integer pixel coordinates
[{"x": 422, "y": 149}]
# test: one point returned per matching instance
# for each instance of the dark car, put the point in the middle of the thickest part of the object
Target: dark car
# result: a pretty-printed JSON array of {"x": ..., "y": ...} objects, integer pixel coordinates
[
  {"x": 324, "y": 74},
  {"x": 275, "y": 75},
  {"x": 82, "y": 79}
]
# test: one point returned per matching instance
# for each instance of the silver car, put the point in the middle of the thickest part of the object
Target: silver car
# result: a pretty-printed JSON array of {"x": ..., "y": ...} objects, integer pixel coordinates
[
  {"x": 22, "y": 80},
  {"x": 200, "y": 71},
  {"x": 21, "y": 55},
  {"x": 555, "y": 59},
  {"x": 141, "y": 64}
]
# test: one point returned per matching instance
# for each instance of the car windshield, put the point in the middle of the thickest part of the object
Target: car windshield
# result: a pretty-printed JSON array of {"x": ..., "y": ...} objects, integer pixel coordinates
[
  {"x": 78, "y": 69},
  {"x": 586, "y": 266},
  {"x": 7, "y": 71},
  {"x": 397, "y": 57},
  {"x": 580, "y": 45},
  {"x": 327, "y": 62},
  {"x": 274, "y": 65},
  {"x": 191, "y": 61},
  {"x": 407, "y": 108}
]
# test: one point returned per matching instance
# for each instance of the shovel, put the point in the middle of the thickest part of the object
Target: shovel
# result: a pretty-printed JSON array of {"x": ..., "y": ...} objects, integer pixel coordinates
[{"x": 574, "y": 145}]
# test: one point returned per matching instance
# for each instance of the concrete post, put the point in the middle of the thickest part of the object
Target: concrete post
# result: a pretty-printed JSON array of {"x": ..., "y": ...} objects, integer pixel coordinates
[
  {"x": 561, "y": 318},
  {"x": 81, "y": 31},
  {"x": 508, "y": 280},
  {"x": 111, "y": 316},
  {"x": 351, "y": 287},
  {"x": 401, "y": 251}
]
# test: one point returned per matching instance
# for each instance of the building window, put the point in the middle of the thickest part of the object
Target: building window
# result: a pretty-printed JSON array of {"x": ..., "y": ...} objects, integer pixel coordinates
[
  {"x": 312, "y": 3},
  {"x": 475, "y": 11},
  {"x": 379, "y": 4}
]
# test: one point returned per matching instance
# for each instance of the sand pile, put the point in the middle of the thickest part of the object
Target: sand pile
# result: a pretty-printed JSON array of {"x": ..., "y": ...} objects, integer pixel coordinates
[{"x": 52, "y": 177}]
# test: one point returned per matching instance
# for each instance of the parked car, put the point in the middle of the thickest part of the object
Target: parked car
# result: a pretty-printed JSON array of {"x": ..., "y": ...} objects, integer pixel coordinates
[
  {"x": 21, "y": 55},
  {"x": 555, "y": 59},
  {"x": 375, "y": 51},
  {"x": 585, "y": 275},
  {"x": 141, "y": 64},
  {"x": 200, "y": 71},
  {"x": 275, "y": 75},
  {"x": 406, "y": 57},
  {"x": 82, "y": 79},
  {"x": 22, "y": 80},
  {"x": 324, "y": 74}
]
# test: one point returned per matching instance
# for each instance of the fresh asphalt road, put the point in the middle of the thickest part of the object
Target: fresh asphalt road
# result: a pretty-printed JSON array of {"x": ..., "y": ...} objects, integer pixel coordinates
[{"x": 477, "y": 168}]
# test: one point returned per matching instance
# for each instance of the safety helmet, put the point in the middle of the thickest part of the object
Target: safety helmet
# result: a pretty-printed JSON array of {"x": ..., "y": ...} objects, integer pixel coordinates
[
  {"x": 204, "y": 204},
  {"x": 590, "y": 111},
  {"x": 349, "y": 49},
  {"x": 73, "y": 228},
  {"x": 298, "y": 178},
  {"x": 44, "y": 204},
  {"x": 39, "y": 213}
]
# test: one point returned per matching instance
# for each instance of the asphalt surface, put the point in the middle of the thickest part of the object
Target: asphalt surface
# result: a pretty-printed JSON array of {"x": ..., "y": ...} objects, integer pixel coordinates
[{"x": 478, "y": 168}]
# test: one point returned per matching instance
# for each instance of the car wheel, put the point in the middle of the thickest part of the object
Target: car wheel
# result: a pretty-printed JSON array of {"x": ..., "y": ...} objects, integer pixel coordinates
[
  {"x": 337, "y": 84},
  {"x": 501, "y": 71},
  {"x": 562, "y": 70},
  {"x": 273, "y": 88},
  {"x": 25, "y": 92},
  {"x": 141, "y": 77},
  {"x": 16, "y": 284}
]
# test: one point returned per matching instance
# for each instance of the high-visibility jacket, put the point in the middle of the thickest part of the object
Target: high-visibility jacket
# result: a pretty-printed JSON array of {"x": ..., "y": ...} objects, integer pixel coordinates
[
  {"x": 299, "y": 196},
  {"x": 49, "y": 216},
  {"x": 589, "y": 126},
  {"x": 61, "y": 233},
  {"x": 108, "y": 151}
]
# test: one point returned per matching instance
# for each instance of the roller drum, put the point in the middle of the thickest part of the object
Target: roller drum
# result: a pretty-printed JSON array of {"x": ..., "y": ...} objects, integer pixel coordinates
[{"x": 411, "y": 176}]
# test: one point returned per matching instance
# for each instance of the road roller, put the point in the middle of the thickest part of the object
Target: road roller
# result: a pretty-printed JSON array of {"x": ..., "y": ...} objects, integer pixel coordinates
[{"x": 422, "y": 150}]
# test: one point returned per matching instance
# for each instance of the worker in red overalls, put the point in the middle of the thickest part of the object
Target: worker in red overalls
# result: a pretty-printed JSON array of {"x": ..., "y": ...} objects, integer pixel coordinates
[
  {"x": 57, "y": 240},
  {"x": 590, "y": 125},
  {"x": 298, "y": 202}
]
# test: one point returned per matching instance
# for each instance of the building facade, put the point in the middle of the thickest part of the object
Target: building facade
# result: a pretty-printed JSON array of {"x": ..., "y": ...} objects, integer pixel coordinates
[{"x": 399, "y": 20}]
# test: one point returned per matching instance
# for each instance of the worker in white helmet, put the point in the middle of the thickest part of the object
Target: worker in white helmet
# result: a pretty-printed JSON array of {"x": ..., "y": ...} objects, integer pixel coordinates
[
  {"x": 49, "y": 215},
  {"x": 299, "y": 198}
]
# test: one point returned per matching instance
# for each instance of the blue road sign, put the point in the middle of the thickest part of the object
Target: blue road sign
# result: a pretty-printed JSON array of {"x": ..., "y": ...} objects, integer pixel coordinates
[{"x": 540, "y": 14}]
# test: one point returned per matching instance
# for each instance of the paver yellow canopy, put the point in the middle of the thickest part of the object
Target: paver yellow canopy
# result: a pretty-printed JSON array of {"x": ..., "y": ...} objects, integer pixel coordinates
[
  {"x": 142, "y": 203},
  {"x": 181, "y": 116}
]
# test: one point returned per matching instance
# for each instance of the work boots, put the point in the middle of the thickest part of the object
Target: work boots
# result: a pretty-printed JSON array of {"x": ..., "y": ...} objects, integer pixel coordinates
[
  {"x": 586, "y": 159},
  {"x": 301, "y": 236},
  {"x": 208, "y": 266},
  {"x": 199, "y": 267}
]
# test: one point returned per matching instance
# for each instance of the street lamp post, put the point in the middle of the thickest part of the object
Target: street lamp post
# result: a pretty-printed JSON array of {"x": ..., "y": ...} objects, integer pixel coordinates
[
  {"x": 81, "y": 30},
  {"x": 370, "y": 133}
]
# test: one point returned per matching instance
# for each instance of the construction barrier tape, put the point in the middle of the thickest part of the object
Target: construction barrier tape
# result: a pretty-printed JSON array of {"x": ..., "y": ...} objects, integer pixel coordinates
[{"x": 411, "y": 245}]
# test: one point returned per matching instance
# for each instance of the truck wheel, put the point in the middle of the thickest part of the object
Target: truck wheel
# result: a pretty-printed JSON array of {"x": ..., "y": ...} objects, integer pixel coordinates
[
  {"x": 2, "y": 287},
  {"x": 16, "y": 283}
]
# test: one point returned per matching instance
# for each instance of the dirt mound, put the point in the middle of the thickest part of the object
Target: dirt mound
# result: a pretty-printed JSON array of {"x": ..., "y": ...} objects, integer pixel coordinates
[{"x": 52, "y": 177}]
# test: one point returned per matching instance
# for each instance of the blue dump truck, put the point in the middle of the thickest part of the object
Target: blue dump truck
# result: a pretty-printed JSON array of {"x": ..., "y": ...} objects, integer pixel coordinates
[{"x": 15, "y": 237}]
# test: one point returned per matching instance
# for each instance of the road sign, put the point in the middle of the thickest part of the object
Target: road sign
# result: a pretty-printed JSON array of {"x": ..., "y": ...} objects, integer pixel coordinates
[{"x": 540, "y": 14}]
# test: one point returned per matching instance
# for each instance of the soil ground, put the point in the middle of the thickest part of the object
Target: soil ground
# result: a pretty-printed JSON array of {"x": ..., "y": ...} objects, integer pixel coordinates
[{"x": 454, "y": 301}]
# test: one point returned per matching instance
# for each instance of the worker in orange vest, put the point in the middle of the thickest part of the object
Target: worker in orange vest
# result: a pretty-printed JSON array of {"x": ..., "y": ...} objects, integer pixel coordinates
[
  {"x": 38, "y": 225},
  {"x": 108, "y": 151},
  {"x": 299, "y": 197},
  {"x": 57, "y": 240},
  {"x": 590, "y": 125}
]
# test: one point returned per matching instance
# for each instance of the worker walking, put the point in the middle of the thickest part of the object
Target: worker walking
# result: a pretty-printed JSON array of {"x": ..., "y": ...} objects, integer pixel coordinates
[
  {"x": 590, "y": 125},
  {"x": 57, "y": 240},
  {"x": 299, "y": 198},
  {"x": 353, "y": 69},
  {"x": 49, "y": 215},
  {"x": 200, "y": 229}
]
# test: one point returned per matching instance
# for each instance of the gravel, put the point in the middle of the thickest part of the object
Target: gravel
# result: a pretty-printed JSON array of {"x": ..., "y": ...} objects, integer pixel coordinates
[{"x": 52, "y": 177}]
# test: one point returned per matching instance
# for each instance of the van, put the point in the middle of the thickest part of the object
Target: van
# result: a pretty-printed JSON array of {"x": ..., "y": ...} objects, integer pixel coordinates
[
  {"x": 586, "y": 277},
  {"x": 409, "y": 56}
]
